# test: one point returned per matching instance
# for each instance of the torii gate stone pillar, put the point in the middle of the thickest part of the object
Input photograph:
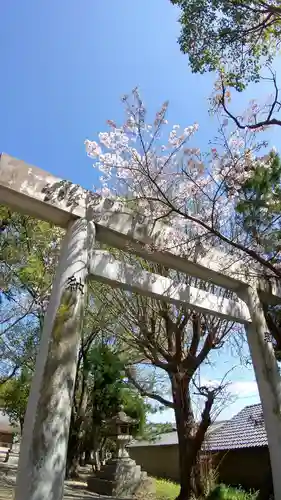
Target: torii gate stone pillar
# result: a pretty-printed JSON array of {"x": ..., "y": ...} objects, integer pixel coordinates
[
  {"x": 41, "y": 470},
  {"x": 268, "y": 380}
]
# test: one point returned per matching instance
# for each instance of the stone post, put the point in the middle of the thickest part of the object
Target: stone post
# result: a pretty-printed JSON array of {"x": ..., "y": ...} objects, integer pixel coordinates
[
  {"x": 44, "y": 442},
  {"x": 268, "y": 380}
]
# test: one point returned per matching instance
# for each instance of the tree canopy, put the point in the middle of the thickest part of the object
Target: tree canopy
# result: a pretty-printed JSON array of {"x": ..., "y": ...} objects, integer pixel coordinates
[
  {"x": 100, "y": 390},
  {"x": 240, "y": 35},
  {"x": 258, "y": 207},
  {"x": 29, "y": 250},
  {"x": 173, "y": 342},
  {"x": 168, "y": 179},
  {"x": 259, "y": 204},
  {"x": 13, "y": 397}
]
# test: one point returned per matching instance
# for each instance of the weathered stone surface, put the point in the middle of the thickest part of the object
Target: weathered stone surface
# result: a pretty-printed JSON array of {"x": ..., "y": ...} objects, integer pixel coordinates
[
  {"x": 118, "y": 477},
  {"x": 146, "y": 488},
  {"x": 33, "y": 191},
  {"x": 107, "y": 269},
  {"x": 44, "y": 442}
]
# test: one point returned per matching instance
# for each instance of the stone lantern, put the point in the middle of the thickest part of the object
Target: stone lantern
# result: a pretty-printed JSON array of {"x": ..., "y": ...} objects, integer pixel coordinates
[
  {"x": 120, "y": 476},
  {"x": 119, "y": 428}
]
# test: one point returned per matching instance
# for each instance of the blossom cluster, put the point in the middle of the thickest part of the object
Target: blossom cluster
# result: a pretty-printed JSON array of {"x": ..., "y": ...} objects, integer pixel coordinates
[{"x": 164, "y": 175}]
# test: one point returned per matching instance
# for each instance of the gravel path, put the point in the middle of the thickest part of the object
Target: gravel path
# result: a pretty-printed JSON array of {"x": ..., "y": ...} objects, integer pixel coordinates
[
  {"x": 6, "y": 493},
  {"x": 73, "y": 490}
]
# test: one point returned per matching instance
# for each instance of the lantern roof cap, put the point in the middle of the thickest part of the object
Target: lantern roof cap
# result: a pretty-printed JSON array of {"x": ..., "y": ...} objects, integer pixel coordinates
[{"x": 122, "y": 418}]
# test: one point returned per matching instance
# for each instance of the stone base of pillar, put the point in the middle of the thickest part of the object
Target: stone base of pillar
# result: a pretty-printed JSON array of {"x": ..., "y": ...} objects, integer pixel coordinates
[{"x": 119, "y": 477}]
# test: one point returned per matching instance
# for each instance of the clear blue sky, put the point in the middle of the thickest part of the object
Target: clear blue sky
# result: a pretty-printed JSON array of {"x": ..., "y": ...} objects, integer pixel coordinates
[{"x": 65, "y": 64}]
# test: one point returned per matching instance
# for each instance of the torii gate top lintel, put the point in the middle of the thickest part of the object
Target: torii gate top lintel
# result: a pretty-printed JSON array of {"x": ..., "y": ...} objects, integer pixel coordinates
[{"x": 33, "y": 191}]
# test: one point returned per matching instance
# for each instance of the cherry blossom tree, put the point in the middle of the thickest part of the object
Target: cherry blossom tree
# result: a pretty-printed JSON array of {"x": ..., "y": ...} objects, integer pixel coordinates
[
  {"x": 158, "y": 171},
  {"x": 258, "y": 116},
  {"x": 200, "y": 194}
]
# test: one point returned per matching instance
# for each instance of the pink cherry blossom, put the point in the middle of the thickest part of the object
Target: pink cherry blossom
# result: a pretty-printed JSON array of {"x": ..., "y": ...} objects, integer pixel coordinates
[{"x": 166, "y": 176}]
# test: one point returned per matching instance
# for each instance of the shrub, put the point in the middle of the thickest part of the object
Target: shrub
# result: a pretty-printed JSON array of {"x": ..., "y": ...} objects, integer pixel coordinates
[
  {"x": 166, "y": 490},
  {"x": 226, "y": 493}
]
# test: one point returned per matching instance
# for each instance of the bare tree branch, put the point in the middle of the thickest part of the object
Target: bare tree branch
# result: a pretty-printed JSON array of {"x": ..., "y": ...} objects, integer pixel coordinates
[
  {"x": 148, "y": 394},
  {"x": 267, "y": 121}
]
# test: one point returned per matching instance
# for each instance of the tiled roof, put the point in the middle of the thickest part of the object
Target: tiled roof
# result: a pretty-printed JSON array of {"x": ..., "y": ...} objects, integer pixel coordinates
[
  {"x": 244, "y": 430},
  {"x": 169, "y": 438}
]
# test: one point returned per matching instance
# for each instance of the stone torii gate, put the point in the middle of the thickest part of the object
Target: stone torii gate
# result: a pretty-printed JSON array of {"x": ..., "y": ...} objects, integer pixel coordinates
[{"x": 87, "y": 217}]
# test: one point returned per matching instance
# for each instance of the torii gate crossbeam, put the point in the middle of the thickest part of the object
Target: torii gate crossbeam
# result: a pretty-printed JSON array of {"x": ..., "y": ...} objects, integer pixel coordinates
[{"x": 86, "y": 216}]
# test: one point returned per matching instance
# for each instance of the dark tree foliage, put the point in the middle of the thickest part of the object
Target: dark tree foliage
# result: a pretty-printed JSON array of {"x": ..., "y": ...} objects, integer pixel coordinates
[
  {"x": 241, "y": 35},
  {"x": 259, "y": 211}
]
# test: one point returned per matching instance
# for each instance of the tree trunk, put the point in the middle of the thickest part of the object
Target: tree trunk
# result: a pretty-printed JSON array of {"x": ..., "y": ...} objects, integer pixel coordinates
[
  {"x": 97, "y": 463},
  {"x": 103, "y": 450},
  {"x": 87, "y": 456},
  {"x": 72, "y": 468},
  {"x": 96, "y": 440},
  {"x": 190, "y": 482},
  {"x": 72, "y": 463},
  {"x": 21, "y": 422},
  {"x": 74, "y": 448},
  {"x": 73, "y": 452}
]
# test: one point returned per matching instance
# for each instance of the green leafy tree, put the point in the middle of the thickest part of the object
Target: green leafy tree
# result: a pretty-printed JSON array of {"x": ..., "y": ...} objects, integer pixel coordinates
[
  {"x": 99, "y": 392},
  {"x": 258, "y": 210},
  {"x": 29, "y": 251},
  {"x": 13, "y": 397},
  {"x": 153, "y": 431},
  {"x": 240, "y": 35},
  {"x": 259, "y": 205}
]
